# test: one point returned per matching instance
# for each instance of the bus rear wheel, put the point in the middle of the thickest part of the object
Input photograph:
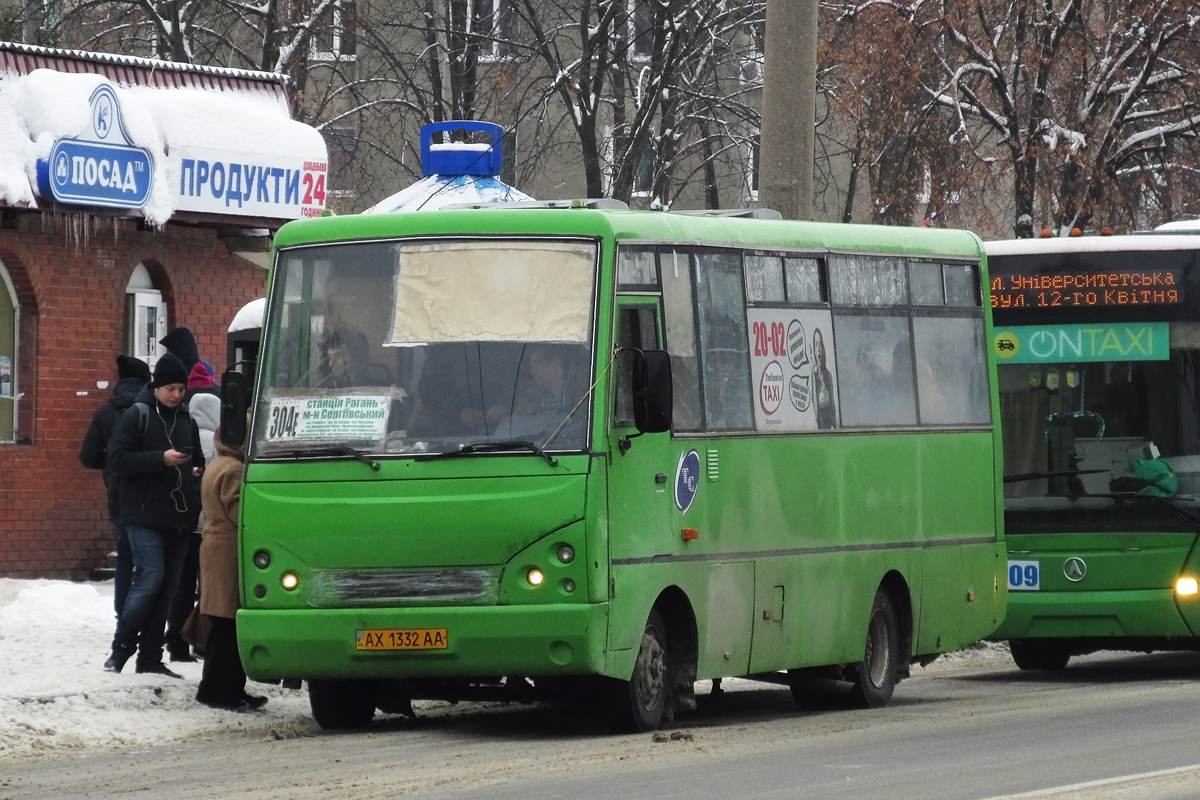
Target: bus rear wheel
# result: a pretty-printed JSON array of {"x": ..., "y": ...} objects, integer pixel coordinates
[
  {"x": 341, "y": 704},
  {"x": 638, "y": 704},
  {"x": 1038, "y": 654},
  {"x": 874, "y": 678}
]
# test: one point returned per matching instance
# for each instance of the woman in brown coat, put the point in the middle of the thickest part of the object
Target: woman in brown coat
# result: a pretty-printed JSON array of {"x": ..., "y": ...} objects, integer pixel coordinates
[{"x": 223, "y": 683}]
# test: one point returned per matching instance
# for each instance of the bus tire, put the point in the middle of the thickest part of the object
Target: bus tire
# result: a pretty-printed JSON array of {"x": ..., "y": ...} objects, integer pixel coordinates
[
  {"x": 638, "y": 704},
  {"x": 1038, "y": 654},
  {"x": 874, "y": 678},
  {"x": 338, "y": 704}
]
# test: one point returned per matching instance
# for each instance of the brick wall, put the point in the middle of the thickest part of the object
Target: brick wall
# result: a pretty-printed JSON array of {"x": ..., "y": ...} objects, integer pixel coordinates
[{"x": 70, "y": 273}]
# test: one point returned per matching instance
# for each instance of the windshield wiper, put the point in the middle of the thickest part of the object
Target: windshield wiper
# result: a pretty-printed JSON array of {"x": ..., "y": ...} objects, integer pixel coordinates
[
  {"x": 337, "y": 450},
  {"x": 492, "y": 447}
]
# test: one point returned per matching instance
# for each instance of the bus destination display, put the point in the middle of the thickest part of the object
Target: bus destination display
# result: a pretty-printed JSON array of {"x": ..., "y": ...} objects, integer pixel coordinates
[{"x": 1087, "y": 289}]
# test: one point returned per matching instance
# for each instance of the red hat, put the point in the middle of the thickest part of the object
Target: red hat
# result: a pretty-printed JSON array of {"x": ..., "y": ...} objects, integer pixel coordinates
[{"x": 199, "y": 378}]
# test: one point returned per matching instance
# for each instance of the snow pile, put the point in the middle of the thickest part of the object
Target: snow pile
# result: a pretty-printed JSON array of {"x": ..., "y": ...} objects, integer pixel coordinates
[{"x": 56, "y": 698}]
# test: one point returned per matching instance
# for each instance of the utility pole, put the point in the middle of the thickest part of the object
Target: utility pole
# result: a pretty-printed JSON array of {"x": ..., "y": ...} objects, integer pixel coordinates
[{"x": 789, "y": 101}]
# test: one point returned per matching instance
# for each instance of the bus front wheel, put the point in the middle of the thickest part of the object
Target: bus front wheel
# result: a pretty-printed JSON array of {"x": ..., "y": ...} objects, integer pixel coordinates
[
  {"x": 1038, "y": 654},
  {"x": 638, "y": 703},
  {"x": 341, "y": 704},
  {"x": 874, "y": 678}
]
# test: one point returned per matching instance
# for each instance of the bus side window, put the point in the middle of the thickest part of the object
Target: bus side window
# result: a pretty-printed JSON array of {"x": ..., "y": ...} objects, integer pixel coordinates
[
  {"x": 680, "y": 315},
  {"x": 637, "y": 328}
]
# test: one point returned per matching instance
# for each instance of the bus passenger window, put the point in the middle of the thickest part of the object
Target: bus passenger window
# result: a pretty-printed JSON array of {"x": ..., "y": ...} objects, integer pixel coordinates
[{"x": 875, "y": 370}]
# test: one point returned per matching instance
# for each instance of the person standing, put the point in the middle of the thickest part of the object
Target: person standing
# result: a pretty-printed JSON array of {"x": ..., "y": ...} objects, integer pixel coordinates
[
  {"x": 205, "y": 409},
  {"x": 223, "y": 683},
  {"x": 132, "y": 375},
  {"x": 154, "y": 453},
  {"x": 182, "y": 344}
]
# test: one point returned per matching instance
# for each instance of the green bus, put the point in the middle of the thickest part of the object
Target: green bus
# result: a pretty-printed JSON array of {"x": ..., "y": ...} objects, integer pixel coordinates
[
  {"x": 577, "y": 451},
  {"x": 1097, "y": 341}
]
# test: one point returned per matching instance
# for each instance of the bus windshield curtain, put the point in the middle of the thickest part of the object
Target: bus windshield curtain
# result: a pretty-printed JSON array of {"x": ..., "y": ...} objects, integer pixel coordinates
[{"x": 1024, "y": 415}]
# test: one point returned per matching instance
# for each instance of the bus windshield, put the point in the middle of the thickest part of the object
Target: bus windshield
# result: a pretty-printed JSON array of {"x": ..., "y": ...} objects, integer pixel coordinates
[
  {"x": 428, "y": 346},
  {"x": 1097, "y": 359}
]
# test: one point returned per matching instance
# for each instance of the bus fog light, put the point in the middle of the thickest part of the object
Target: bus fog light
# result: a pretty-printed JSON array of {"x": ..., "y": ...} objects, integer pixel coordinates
[
  {"x": 1185, "y": 586},
  {"x": 568, "y": 585},
  {"x": 566, "y": 553},
  {"x": 262, "y": 559},
  {"x": 289, "y": 581},
  {"x": 535, "y": 577}
]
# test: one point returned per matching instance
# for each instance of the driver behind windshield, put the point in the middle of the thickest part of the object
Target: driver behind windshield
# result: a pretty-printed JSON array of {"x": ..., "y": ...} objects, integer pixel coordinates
[{"x": 497, "y": 390}]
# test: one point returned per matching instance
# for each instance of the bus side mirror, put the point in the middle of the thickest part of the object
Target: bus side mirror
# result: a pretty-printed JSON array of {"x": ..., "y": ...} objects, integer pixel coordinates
[
  {"x": 234, "y": 400},
  {"x": 652, "y": 400}
]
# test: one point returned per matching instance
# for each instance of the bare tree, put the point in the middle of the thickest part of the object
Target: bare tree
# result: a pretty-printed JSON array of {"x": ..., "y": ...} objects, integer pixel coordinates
[{"x": 1084, "y": 99}]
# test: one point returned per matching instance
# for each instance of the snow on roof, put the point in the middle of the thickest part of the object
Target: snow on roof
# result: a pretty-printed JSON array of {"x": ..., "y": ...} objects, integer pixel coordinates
[
  {"x": 46, "y": 105},
  {"x": 437, "y": 191},
  {"x": 1091, "y": 244},
  {"x": 1180, "y": 225},
  {"x": 18, "y": 58},
  {"x": 249, "y": 316}
]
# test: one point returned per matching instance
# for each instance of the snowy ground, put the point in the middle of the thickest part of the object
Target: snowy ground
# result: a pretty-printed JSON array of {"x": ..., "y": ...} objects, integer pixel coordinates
[{"x": 56, "y": 699}]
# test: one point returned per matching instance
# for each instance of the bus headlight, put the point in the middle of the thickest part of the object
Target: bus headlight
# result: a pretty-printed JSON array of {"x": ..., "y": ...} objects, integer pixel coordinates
[
  {"x": 262, "y": 559},
  {"x": 289, "y": 581},
  {"x": 566, "y": 553},
  {"x": 535, "y": 577},
  {"x": 1185, "y": 586}
]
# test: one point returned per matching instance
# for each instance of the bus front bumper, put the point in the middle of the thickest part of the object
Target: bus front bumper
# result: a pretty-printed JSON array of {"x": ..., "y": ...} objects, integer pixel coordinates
[
  {"x": 1115, "y": 614},
  {"x": 479, "y": 641}
]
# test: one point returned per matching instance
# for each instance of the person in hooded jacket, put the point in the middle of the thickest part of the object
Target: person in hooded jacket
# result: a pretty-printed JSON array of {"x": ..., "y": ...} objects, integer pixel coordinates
[
  {"x": 223, "y": 683},
  {"x": 132, "y": 375},
  {"x": 182, "y": 344},
  {"x": 155, "y": 457},
  {"x": 205, "y": 408}
]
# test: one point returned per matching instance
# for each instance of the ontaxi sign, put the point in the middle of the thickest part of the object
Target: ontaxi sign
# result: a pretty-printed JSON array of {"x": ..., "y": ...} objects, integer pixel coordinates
[
  {"x": 102, "y": 168},
  {"x": 1038, "y": 344}
]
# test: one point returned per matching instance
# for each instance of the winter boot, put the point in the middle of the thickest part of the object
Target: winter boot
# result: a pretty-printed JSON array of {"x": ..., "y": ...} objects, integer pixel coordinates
[
  {"x": 116, "y": 661},
  {"x": 178, "y": 649}
]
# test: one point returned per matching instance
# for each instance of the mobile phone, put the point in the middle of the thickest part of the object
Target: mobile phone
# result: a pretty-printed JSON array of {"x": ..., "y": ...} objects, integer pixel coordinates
[{"x": 187, "y": 451}]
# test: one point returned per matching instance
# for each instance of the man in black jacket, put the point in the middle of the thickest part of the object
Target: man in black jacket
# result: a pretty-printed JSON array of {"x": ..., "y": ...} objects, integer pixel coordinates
[
  {"x": 153, "y": 454},
  {"x": 132, "y": 375}
]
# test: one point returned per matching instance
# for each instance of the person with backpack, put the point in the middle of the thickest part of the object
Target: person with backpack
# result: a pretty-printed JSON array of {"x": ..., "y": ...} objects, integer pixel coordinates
[
  {"x": 132, "y": 375},
  {"x": 155, "y": 455}
]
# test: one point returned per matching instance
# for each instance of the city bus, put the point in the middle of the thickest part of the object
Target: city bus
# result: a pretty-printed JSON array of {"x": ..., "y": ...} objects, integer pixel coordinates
[
  {"x": 583, "y": 453},
  {"x": 1097, "y": 340}
]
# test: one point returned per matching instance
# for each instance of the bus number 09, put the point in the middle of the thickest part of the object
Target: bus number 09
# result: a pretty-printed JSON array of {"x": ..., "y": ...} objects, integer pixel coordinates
[
  {"x": 769, "y": 339},
  {"x": 1023, "y": 575},
  {"x": 283, "y": 422}
]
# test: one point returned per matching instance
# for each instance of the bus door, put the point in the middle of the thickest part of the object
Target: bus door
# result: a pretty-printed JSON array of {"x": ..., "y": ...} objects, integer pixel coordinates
[{"x": 640, "y": 498}]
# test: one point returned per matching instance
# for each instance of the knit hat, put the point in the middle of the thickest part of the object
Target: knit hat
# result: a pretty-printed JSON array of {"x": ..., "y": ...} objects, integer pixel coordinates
[
  {"x": 130, "y": 367},
  {"x": 168, "y": 370},
  {"x": 199, "y": 378}
]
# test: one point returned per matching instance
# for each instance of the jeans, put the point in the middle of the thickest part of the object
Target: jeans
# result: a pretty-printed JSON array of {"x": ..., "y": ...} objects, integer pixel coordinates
[
  {"x": 124, "y": 571},
  {"x": 157, "y": 559}
]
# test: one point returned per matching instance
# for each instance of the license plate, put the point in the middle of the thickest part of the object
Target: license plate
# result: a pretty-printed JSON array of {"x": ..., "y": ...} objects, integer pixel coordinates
[{"x": 401, "y": 639}]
